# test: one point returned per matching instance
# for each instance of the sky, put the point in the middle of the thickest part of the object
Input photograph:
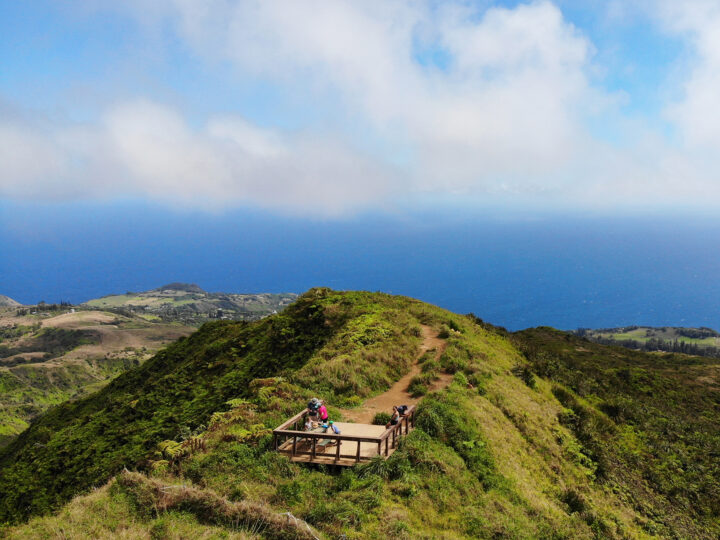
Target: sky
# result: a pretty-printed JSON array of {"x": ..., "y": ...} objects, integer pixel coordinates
[
  {"x": 336, "y": 117},
  {"x": 328, "y": 108}
]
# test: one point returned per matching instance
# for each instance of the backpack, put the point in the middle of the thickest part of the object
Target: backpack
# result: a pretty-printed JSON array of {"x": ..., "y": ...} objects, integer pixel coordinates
[{"x": 402, "y": 409}]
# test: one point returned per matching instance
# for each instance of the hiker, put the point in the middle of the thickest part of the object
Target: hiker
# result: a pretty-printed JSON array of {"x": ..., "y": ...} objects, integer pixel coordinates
[
  {"x": 398, "y": 412},
  {"x": 313, "y": 407},
  {"x": 309, "y": 425},
  {"x": 394, "y": 418},
  {"x": 322, "y": 411},
  {"x": 332, "y": 427}
]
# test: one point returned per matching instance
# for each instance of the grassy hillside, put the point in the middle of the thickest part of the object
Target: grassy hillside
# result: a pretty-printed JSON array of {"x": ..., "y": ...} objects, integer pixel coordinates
[
  {"x": 649, "y": 422},
  {"x": 51, "y": 356},
  {"x": 189, "y": 304},
  {"x": 528, "y": 441},
  {"x": 6, "y": 301}
]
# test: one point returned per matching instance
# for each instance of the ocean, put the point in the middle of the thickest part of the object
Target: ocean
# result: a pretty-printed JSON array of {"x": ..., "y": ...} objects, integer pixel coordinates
[{"x": 565, "y": 271}]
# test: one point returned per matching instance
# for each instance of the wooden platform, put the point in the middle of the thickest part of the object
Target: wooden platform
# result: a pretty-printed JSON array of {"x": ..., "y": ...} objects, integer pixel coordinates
[{"x": 356, "y": 443}]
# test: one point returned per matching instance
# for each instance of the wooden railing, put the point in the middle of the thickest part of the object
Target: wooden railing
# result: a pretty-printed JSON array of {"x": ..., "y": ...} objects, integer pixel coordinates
[{"x": 387, "y": 441}]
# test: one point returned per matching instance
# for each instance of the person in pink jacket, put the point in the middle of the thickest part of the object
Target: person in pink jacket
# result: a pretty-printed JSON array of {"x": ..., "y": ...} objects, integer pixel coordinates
[{"x": 322, "y": 411}]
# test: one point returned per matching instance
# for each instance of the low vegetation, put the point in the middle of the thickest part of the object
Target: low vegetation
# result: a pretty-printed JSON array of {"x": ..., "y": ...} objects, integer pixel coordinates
[
  {"x": 646, "y": 422},
  {"x": 189, "y": 304},
  {"x": 696, "y": 341},
  {"x": 527, "y": 441},
  {"x": 56, "y": 354}
]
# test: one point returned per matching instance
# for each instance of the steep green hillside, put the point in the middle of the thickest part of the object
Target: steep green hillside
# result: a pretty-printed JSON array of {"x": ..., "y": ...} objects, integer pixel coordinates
[
  {"x": 53, "y": 355},
  {"x": 649, "y": 422},
  {"x": 80, "y": 444},
  {"x": 528, "y": 441}
]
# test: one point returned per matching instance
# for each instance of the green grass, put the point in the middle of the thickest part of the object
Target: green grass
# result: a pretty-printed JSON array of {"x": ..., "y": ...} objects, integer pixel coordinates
[
  {"x": 647, "y": 422},
  {"x": 574, "y": 444},
  {"x": 118, "y": 300},
  {"x": 26, "y": 391},
  {"x": 641, "y": 334}
]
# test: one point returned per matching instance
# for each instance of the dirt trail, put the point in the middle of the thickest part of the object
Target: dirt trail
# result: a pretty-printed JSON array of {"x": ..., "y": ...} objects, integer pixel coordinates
[{"x": 398, "y": 394}]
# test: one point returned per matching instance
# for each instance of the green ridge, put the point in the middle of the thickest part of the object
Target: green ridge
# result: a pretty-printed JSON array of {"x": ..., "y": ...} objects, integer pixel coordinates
[{"x": 541, "y": 434}]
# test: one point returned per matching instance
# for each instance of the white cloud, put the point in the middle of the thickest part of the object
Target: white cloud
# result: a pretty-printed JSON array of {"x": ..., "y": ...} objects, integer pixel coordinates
[
  {"x": 697, "y": 113},
  {"x": 146, "y": 149},
  {"x": 509, "y": 103},
  {"x": 506, "y": 110}
]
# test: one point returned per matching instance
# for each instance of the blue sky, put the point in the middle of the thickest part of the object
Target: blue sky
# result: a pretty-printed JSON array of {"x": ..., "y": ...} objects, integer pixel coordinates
[
  {"x": 238, "y": 143},
  {"x": 331, "y": 108}
]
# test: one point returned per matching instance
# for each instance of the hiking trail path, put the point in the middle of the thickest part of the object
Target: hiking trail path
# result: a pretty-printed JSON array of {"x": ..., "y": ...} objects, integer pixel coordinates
[{"x": 397, "y": 394}]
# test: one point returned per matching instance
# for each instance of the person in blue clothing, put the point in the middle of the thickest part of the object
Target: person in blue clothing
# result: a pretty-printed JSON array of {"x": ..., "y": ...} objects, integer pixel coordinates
[{"x": 330, "y": 425}]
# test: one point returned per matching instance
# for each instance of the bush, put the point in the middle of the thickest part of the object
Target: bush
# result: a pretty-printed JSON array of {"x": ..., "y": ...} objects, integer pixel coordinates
[
  {"x": 420, "y": 384},
  {"x": 574, "y": 500},
  {"x": 445, "y": 418},
  {"x": 478, "y": 380},
  {"x": 524, "y": 373},
  {"x": 454, "y": 358},
  {"x": 460, "y": 378},
  {"x": 430, "y": 366},
  {"x": 381, "y": 419}
]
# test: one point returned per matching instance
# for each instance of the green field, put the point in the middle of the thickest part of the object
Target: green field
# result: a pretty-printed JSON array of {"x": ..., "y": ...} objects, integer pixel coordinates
[
  {"x": 645, "y": 333},
  {"x": 191, "y": 305}
]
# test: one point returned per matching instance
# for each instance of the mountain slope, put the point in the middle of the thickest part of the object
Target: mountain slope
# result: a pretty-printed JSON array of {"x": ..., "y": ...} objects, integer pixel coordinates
[
  {"x": 6, "y": 301},
  {"x": 525, "y": 437},
  {"x": 52, "y": 356},
  {"x": 648, "y": 421}
]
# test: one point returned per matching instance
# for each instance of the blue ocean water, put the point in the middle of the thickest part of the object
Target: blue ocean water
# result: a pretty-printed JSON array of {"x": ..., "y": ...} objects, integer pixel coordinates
[{"x": 561, "y": 271}]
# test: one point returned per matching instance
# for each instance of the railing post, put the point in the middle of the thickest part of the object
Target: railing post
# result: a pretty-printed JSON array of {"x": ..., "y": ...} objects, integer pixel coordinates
[
  {"x": 294, "y": 444},
  {"x": 314, "y": 440},
  {"x": 337, "y": 452},
  {"x": 357, "y": 458},
  {"x": 379, "y": 448},
  {"x": 386, "y": 445}
]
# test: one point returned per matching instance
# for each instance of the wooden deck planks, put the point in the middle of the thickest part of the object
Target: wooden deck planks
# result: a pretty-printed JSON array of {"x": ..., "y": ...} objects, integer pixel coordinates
[{"x": 342, "y": 451}]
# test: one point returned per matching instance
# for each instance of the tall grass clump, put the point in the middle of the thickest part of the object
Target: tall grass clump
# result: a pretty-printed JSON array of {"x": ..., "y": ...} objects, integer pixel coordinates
[{"x": 447, "y": 416}]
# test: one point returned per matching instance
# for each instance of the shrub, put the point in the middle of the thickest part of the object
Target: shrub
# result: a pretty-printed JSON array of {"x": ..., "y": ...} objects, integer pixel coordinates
[
  {"x": 420, "y": 384},
  {"x": 444, "y": 417},
  {"x": 377, "y": 466},
  {"x": 430, "y": 366},
  {"x": 460, "y": 378},
  {"x": 454, "y": 358},
  {"x": 574, "y": 500},
  {"x": 524, "y": 373},
  {"x": 381, "y": 419},
  {"x": 478, "y": 380}
]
